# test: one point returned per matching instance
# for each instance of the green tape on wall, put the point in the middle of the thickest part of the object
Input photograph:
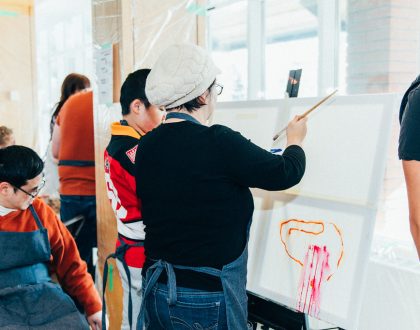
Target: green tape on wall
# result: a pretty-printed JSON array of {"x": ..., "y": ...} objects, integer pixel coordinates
[
  {"x": 8, "y": 13},
  {"x": 111, "y": 278}
]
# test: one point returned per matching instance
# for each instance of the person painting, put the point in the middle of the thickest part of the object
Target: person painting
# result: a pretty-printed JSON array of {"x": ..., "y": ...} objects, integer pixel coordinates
[
  {"x": 139, "y": 117},
  {"x": 193, "y": 181},
  {"x": 6, "y": 137},
  {"x": 409, "y": 153},
  {"x": 34, "y": 244}
]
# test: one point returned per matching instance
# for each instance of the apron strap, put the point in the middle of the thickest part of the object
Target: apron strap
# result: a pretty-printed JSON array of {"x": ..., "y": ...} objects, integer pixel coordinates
[
  {"x": 152, "y": 275},
  {"x": 182, "y": 115},
  {"x": 78, "y": 163},
  {"x": 152, "y": 278},
  {"x": 35, "y": 215},
  {"x": 119, "y": 255},
  {"x": 205, "y": 270}
]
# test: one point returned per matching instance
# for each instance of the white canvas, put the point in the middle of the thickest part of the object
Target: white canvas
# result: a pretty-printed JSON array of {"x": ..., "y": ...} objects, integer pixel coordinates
[
  {"x": 344, "y": 139},
  {"x": 346, "y": 148},
  {"x": 345, "y": 235},
  {"x": 254, "y": 120}
]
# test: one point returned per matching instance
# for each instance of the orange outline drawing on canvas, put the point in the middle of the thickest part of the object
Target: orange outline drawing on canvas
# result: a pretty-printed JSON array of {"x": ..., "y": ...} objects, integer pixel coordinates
[{"x": 322, "y": 243}]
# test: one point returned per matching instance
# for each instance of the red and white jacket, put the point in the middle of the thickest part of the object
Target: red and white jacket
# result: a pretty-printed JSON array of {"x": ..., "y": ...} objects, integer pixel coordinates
[{"x": 119, "y": 158}]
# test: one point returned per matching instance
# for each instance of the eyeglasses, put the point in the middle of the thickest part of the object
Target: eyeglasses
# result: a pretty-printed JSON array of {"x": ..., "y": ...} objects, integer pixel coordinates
[
  {"x": 219, "y": 89},
  {"x": 35, "y": 191}
]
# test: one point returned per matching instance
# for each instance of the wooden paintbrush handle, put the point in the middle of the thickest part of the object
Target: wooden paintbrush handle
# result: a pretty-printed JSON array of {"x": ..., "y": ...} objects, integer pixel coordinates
[
  {"x": 275, "y": 137},
  {"x": 317, "y": 105}
]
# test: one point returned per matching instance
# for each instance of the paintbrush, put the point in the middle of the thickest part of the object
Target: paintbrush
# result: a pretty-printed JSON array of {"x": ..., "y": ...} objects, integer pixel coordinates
[{"x": 275, "y": 137}]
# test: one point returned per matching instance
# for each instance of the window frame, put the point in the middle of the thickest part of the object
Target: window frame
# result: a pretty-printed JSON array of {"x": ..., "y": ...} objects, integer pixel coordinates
[{"x": 329, "y": 52}]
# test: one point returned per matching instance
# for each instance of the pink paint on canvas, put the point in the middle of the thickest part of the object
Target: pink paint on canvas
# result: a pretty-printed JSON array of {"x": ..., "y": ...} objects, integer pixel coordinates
[
  {"x": 313, "y": 260},
  {"x": 314, "y": 274}
]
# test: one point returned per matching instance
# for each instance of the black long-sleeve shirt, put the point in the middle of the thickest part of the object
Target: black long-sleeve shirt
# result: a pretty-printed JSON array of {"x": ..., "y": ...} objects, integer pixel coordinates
[
  {"x": 409, "y": 141},
  {"x": 193, "y": 182}
]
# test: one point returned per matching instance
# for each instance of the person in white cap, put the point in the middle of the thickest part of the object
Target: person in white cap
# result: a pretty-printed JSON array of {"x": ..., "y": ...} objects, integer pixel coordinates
[{"x": 193, "y": 181}]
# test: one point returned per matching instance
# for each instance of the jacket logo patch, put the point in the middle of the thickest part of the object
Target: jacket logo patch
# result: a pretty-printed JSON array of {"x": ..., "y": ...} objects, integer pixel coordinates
[
  {"x": 106, "y": 164},
  {"x": 131, "y": 154}
]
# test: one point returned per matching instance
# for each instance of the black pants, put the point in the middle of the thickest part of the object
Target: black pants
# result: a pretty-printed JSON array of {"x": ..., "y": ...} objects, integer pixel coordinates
[{"x": 73, "y": 206}]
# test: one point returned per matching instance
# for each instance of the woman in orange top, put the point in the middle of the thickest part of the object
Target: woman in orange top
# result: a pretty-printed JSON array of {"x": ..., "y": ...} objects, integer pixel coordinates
[
  {"x": 73, "y": 146},
  {"x": 73, "y": 83}
]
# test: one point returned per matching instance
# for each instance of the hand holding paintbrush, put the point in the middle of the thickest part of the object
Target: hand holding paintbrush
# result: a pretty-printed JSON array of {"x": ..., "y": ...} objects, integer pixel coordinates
[
  {"x": 296, "y": 131},
  {"x": 302, "y": 116}
]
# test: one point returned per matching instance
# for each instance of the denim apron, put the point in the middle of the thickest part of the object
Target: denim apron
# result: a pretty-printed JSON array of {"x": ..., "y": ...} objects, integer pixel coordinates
[
  {"x": 119, "y": 254},
  {"x": 232, "y": 276},
  {"x": 28, "y": 298}
]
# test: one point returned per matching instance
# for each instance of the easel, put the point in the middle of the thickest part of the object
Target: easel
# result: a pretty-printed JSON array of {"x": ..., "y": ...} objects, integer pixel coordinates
[{"x": 272, "y": 315}]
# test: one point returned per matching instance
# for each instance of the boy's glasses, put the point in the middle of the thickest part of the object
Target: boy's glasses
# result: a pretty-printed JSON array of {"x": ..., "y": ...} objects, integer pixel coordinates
[{"x": 35, "y": 191}]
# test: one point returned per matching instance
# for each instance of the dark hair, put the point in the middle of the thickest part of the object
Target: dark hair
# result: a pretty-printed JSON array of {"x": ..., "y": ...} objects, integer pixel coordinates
[
  {"x": 5, "y": 133},
  {"x": 71, "y": 84},
  {"x": 18, "y": 164},
  {"x": 133, "y": 89},
  {"x": 194, "y": 104}
]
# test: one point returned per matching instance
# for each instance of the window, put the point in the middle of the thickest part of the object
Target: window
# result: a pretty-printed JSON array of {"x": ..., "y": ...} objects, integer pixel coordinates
[
  {"x": 63, "y": 45},
  {"x": 257, "y": 42},
  {"x": 228, "y": 44},
  {"x": 291, "y": 43}
]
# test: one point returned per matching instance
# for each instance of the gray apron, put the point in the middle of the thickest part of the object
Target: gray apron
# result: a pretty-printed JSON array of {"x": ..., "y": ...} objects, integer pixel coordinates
[
  {"x": 28, "y": 298},
  {"x": 232, "y": 276}
]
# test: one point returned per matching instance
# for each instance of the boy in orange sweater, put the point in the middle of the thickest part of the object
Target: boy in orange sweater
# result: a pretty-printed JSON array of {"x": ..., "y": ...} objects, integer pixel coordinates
[{"x": 34, "y": 244}]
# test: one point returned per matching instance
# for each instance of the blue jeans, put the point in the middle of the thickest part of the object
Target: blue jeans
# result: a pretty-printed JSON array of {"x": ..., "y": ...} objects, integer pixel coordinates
[
  {"x": 194, "y": 309},
  {"x": 72, "y": 206}
]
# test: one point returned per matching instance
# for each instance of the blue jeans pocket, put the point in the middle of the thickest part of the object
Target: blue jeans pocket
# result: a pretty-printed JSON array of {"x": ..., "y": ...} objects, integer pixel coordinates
[{"x": 195, "y": 316}]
